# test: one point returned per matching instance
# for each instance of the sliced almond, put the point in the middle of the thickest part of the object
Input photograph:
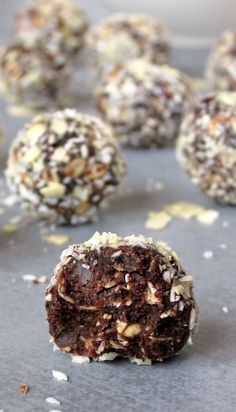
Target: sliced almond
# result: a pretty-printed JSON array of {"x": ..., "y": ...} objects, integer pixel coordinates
[{"x": 75, "y": 168}]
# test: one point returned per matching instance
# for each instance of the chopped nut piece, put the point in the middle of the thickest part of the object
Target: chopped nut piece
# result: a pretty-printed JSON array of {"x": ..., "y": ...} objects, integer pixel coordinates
[
  {"x": 132, "y": 330},
  {"x": 59, "y": 127},
  {"x": 75, "y": 168},
  {"x": 53, "y": 189},
  {"x": 120, "y": 326}
]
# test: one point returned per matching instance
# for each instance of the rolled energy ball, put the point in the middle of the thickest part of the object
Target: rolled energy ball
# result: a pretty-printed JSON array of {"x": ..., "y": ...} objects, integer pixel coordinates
[
  {"x": 58, "y": 25},
  {"x": 221, "y": 66},
  {"x": 125, "y": 36},
  {"x": 206, "y": 147},
  {"x": 114, "y": 296},
  {"x": 65, "y": 165},
  {"x": 33, "y": 77},
  {"x": 144, "y": 103}
]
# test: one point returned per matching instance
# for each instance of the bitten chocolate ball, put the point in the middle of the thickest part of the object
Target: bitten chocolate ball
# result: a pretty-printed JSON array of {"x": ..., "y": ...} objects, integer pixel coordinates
[
  {"x": 114, "y": 296},
  {"x": 34, "y": 78},
  {"x": 59, "y": 26},
  {"x": 121, "y": 37},
  {"x": 221, "y": 66},
  {"x": 144, "y": 103},
  {"x": 65, "y": 165},
  {"x": 206, "y": 147}
]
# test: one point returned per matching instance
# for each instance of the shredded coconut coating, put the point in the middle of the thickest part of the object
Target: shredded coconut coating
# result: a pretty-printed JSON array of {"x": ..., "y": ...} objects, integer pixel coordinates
[
  {"x": 59, "y": 26},
  {"x": 206, "y": 147},
  {"x": 103, "y": 290},
  {"x": 221, "y": 66},
  {"x": 144, "y": 103},
  {"x": 65, "y": 165},
  {"x": 122, "y": 37},
  {"x": 34, "y": 78}
]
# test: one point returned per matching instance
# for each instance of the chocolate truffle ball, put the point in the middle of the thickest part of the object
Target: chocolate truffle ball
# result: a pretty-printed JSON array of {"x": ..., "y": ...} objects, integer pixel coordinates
[
  {"x": 121, "y": 37},
  {"x": 64, "y": 165},
  {"x": 206, "y": 147},
  {"x": 221, "y": 66},
  {"x": 144, "y": 103},
  {"x": 112, "y": 296},
  {"x": 33, "y": 78},
  {"x": 58, "y": 25}
]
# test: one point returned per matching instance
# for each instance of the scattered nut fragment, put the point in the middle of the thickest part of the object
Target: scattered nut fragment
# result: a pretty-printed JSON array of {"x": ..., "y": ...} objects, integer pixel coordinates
[
  {"x": 184, "y": 210},
  {"x": 9, "y": 228},
  {"x": 157, "y": 220},
  {"x": 24, "y": 388},
  {"x": 208, "y": 217},
  {"x": 60, "y": 376},
  {"x": 56, "y": 239}
]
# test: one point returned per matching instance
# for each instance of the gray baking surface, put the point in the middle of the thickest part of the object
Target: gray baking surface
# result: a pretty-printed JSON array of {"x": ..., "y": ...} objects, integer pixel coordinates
[{"x": 202, "y": 378}]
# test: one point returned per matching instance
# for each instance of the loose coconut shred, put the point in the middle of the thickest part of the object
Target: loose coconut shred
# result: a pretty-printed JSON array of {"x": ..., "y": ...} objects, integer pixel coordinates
[{"x": 114, "y": 296}]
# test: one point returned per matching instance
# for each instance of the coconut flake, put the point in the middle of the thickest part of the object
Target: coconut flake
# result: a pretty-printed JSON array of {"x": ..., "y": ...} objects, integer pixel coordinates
[
  {"x": 208, "y": 254},
  {"x": 80, "y": 359},
  {"x": 53, "y": 401},
  {"x": 107, "y": 356},
  {"x": 60, "y": 376},
  {"x": 225, "y": 309}
]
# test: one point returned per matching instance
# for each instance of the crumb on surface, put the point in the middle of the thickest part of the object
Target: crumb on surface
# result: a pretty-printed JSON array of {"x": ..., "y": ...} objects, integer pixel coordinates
[
  {"x": 56, "y": 239},
  {"x": 208, "y": 254},
  {"x": 24, "y": 388}
]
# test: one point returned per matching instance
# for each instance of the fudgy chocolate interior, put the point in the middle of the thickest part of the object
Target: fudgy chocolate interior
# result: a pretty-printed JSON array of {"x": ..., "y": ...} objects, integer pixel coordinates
[{"x": 116, "y": 300}]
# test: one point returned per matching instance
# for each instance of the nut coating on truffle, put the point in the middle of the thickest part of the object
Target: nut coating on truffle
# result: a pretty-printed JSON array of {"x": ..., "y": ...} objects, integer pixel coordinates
[
  {"x": 144, "y": 103},
  {"x": 113, "y": 296},
  {"x": 33, "y": 77},
  {"x": 64, "y": 165},
  {"x": 125, "y": 36},
  {"x": 221, "y": 66},
  {"x": 58, "y": 25},
  {"x": 206, "y": 147}
]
